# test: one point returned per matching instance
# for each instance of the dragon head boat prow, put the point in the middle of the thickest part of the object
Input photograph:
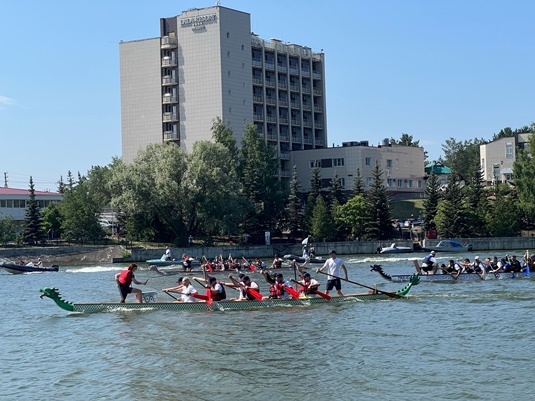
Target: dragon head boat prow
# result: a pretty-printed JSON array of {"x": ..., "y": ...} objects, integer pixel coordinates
[
  {"x": 53, "y": 293},
  {"x": 379, "y": 269}
]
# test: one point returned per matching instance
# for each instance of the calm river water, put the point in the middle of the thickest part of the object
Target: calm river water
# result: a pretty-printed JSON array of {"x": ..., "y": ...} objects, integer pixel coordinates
[{"x": 447, "y": 341}]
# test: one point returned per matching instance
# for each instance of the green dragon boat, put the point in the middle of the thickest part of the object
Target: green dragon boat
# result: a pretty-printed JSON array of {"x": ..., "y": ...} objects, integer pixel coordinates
[{"x": 53, "y": 293}]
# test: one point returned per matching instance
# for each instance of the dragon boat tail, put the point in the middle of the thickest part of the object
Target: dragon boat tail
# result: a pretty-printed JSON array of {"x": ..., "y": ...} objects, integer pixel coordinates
[{"x": 54, "y": 294}]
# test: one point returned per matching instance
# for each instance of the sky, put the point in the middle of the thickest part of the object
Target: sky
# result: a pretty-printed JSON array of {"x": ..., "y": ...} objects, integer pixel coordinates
[{"x": 435, "y": 70}]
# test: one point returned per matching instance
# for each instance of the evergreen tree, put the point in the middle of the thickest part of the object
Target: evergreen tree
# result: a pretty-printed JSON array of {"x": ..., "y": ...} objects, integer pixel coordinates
[
  {"x": 524, "y": 175},
  {"x": 322, "y": 227},
  {"x": 476, "y": 202},
  {"x": 431, "y": 201},
  {"x": 33, "y": 233},
  {"x": 336, "y": 194},
  {"x": 315, "y": 190},
  {"x": 294, "y": 207},
  {"x": 70, "y": 181},
  {"x": 379, "y": 225},
  {"x": 451, "y": 218},
  {"x": 503, "y": 216},
  {"x": 358, "y": 185},
  {"x": 61, "y": 185},
  {"x": 7, "y": 229}
]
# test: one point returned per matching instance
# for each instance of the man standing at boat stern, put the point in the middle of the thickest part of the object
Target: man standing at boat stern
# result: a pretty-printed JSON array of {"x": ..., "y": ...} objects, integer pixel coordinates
[{"x": 333, "y": 266}]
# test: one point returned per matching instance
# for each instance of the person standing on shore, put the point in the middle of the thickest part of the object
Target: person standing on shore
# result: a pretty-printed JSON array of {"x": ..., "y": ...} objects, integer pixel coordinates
[
  {"x": 333, "y": 266},
  {"x": 124, "y": 282}
]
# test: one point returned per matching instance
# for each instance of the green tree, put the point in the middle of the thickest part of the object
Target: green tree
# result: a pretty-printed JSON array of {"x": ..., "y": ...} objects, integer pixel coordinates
[
  {"x": 358, "y": 184},
  {"x": 352, "y": 216},
  {"x": 379, "y": 224},
  {"x": 336, "y": 194},
  {"x": 7, "y": 229},
  {"x": 315, "y": 190},
  {"x": 476, "y": 202},
  {"x": 461, "y": 156},
  {"x": 431, "y": 201},
  {"x": 33, "y": 233},
  {"x": 524, "y": 176},
  {"x": 80, "y": 215},
  {"x": 258, "y": 172},
  {"x": 405, "y": 140},
  {"x": 223, "y": 134},
  {"x": 504, "y": 217},
  {"x": 213, "y": 202},
  {"x": 451, "y": 220},
  {"x": 294, "y": 206},
  {"x": 152, "y": 195},
  {"x": 52, "y": 220},
  {"x": 322, "y": 223}
]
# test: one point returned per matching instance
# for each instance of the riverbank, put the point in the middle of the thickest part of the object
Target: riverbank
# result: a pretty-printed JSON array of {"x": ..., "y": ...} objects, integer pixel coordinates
[{"x": 101, "y": 254}]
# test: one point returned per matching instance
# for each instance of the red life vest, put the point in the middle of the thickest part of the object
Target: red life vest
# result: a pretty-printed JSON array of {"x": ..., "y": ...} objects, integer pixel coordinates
[
  {"x": 125, "y": 278},
  {"x": 276, "y": 290},
  {"x": 220, "y": 296}
]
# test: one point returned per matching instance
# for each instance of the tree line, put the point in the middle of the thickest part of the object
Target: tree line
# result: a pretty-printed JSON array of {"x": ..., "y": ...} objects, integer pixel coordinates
[{"x": 220, "y": 190}]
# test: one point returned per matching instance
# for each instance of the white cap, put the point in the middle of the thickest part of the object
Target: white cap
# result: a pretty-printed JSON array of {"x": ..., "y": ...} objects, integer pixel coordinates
[{"x": 476, "y": 258}]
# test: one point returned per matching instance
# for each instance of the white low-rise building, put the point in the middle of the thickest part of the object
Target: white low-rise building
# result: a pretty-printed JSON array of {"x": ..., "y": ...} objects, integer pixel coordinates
[{"x": 13, "y": 201}]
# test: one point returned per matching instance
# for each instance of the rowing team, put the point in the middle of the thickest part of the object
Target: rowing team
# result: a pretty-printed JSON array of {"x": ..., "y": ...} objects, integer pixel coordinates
[
  {"x": 248, "y": 289},
  {"x": 505, "y": 265}
]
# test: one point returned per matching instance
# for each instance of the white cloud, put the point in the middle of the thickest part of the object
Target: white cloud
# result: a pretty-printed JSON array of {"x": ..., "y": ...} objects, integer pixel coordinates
[{"x": 4, "y": 100}]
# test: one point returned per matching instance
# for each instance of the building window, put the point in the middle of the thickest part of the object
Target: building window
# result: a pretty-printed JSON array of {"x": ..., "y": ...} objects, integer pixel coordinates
[
  {"x": 228, "y": 34},
  {"x": 338, "y": 162},
  {"x": 509, "y": 150},
  {"x": 369, "y": 181},
  {"x": 400, "y": 183},
  {"x": 228, "y": 54},
  {"x": 420, "y": 184},
  {"x": 242, "y": 47},
  {"x": 368, "y": 161},
  {"x": 343, "y": 182},
  {"x": 314, "y": 163},
  {"x": 390, "y": 182},
  {"x": 409, "y": 184},
  {"x": 9, "y": 203},
  {"x": 389, "y": 163},
  {"x": 228, "y": 73},
  {"x": 2, "y": 203}
]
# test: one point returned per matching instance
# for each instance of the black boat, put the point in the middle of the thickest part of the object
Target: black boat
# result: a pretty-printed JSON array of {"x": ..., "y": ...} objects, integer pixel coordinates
[{"x": 19, "y": 269}]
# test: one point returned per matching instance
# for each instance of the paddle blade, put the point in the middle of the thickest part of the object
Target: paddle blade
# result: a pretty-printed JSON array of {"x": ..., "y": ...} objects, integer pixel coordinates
[
  {"x": 323, "y": 295},
  {"x": 199, "y": 296},
  {"x": 292, "y": 292},
  {"x": 208, "y": 297},
  {"x": 252, "y": 268},
  {"x": 255, "y": 294}
]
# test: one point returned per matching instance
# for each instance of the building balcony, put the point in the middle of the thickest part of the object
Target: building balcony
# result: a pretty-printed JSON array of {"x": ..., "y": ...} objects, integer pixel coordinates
[
  {"x": 257, "y": 81},
  {"x": 283, "y": 120},
  {"x": 283, "y": 85},
  {"x": 281, "y": 68},
  {"x": 318, "y": 92},
  {"x": 307, "y": 124},
  {"x": 271, "y": 119},
  {"x": 318, "y": 109},
  {"x": 258, "y": 99},
  {"x": 257, "y": 63},
  {"x": 307, "y": 106},
  {"x": 307, "y": 140},
  {"x": 294, "y": 71},
  {"x": 170, "y": 136},
  {"x": 296, "y": 122},
  {"x": 284, "y": 155},
  {"x": 269, "y": 66},
  {"x": 258, "y": 117},
  {"x": 272, "y": 137},
  {"x": 169, "y": 99},
  {"x": 169, "y": 62},
  {"x": 284, "y": 137},
  {"x": 306, "y": 89},
  {"x": 294, "y": 88},
  {"x": 296, "y": 139},
  {"x": 305, "y": 73},
  {"x": 315, "y": 75},
  {"x": 285, "y": 173},
  {"x": 283, "y": 103},
  {"x": 318, "y": 125},
  {"x": 170, "y": 117},
  {"x": 295, "y": 105},
  {"x": 271, "y": 100},
  {"x": 270, "y": 83},
  {"x": 168, "y": 80},
  {"x": 167, "y": 42},
  {"x": 320, "y": 142}
]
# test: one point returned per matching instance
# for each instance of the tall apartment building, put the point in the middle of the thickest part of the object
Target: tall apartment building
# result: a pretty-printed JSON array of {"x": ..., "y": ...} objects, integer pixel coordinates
[{"x": 206, "y": 64}]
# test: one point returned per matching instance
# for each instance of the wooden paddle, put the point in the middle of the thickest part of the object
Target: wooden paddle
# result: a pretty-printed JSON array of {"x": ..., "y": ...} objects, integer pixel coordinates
[
  {"x": 208, "y": 295},
  {"x": 390, "y": 294},
  {"x": 321, "y": 294}
]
